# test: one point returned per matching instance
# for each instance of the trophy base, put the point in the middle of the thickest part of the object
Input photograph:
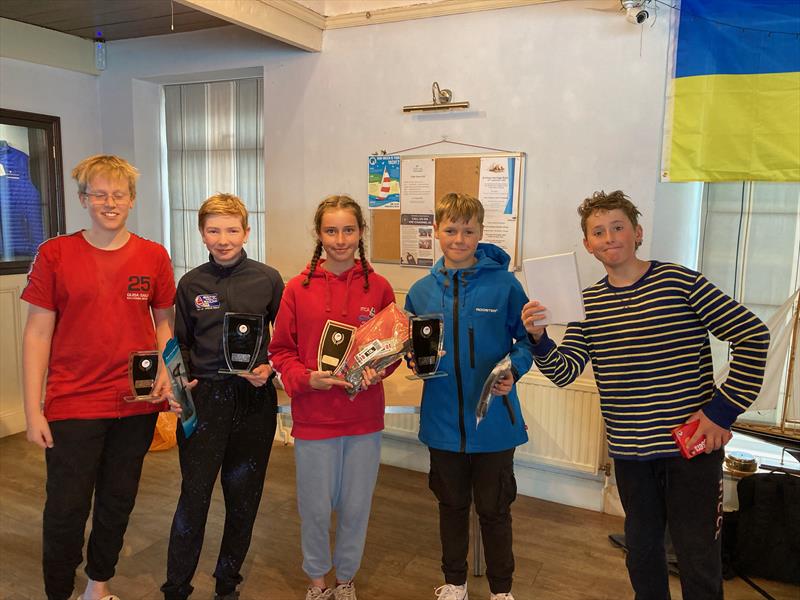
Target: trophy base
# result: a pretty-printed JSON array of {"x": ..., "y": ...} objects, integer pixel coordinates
[
  {"x": 233, "y": 371},
  {"x": 435, "y": 375},
  {"x": 150, "y": 399}
]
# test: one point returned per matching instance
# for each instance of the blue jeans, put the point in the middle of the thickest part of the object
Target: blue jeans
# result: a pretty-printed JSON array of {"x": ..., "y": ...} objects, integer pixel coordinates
[
  {"x": 686, "y": 495},
  {"x": 335, "y": 474}
]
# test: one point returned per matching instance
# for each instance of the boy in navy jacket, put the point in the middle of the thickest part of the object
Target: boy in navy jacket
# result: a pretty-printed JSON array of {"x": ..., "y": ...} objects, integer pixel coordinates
[{"x": 481, "y": 301}]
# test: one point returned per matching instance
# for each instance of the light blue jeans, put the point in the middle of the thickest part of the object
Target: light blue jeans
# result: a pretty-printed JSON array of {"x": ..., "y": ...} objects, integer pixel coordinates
[{"x": 336, "y": 474}]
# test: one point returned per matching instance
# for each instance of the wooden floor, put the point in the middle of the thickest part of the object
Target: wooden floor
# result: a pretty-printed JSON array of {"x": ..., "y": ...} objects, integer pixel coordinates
[{"x": 562, "y": 553}]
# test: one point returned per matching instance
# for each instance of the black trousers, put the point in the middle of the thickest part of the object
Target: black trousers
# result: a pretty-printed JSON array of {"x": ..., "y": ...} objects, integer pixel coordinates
[
  {"x": 100, "y": 456},
  {"x": 456, "y": 479},
  {"x": 686, "y": 496},
  {"x": 235, "y": 429}
]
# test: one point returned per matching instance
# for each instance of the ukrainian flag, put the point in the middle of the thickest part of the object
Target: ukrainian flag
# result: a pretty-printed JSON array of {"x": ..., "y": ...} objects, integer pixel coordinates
[{"x": 733, "y": 105}]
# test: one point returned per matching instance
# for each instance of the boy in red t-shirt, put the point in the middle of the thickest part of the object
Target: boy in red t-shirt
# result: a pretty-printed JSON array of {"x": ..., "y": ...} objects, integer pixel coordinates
[{"x": 95, "y": 296}]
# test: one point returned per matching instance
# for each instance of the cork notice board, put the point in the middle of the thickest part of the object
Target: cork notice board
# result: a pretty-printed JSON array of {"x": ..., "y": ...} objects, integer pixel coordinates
[{"x": 453, "y": 174}]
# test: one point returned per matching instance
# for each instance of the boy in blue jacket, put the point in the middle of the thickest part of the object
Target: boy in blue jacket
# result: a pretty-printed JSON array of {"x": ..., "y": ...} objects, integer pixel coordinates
[{"x": 481, "y": 301}]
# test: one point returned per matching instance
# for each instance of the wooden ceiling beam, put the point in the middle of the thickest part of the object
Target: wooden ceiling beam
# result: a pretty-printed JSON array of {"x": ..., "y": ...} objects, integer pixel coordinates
[{"x": 267, "y": 17}]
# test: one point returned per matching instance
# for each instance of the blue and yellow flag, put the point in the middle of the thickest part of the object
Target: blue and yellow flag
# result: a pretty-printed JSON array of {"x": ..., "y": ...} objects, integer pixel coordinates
[{"x": 733, "y": 105}]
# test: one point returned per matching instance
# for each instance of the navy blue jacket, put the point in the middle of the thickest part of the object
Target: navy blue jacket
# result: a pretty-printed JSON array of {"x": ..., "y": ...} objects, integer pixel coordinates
[{"x": 481, "y": 307}]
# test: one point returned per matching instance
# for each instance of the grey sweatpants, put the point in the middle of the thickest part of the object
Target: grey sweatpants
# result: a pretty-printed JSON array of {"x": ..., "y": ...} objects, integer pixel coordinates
[{"x": 336, "y": 474}]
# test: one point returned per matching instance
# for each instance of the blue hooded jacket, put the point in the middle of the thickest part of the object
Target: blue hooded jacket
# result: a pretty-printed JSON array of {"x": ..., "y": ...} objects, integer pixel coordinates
[{"x": 481, "y": 307}]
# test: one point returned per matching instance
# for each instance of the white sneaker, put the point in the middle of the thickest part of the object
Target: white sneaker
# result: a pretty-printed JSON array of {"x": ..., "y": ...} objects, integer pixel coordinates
[
  {"x": 315, "y": 593},
  {"x": 504, "y": 596},
  {"x": 449, "y": 591},
  {"x": 344, "y": 591}
]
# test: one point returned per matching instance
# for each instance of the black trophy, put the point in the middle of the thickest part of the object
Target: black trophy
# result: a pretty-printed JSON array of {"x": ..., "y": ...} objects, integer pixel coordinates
[
  {"x": 427, "y": 339},
  {"x": 335, "y": 343},
  {"x": 142, "y": 370},
  {"x": 241, "y": 341}
]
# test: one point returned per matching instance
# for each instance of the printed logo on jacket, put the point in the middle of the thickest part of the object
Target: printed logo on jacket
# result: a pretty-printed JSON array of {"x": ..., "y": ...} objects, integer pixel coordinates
[{"x": 206, "y": 302}]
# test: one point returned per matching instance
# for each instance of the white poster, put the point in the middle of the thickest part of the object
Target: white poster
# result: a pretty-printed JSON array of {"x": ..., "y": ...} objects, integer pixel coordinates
[
  {"x": 417, "y": 178},
  {"x": 498, "y": 180}
]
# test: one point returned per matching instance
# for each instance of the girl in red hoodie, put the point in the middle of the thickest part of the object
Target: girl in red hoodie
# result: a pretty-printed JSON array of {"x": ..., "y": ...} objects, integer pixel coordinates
[{"x": 337, "y": 440}]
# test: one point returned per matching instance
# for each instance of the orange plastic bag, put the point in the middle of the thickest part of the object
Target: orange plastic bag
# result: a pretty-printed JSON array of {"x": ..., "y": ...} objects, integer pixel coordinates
[{"x": 164, "y": 435}]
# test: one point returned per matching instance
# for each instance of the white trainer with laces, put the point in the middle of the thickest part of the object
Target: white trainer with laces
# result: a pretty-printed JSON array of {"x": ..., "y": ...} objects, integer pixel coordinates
[
  {"x": 315, "y": 593},
  {"x": 345, "y": 591},
  {"x": 503, "y": 596},
  {"x": 449, "y": 591}
]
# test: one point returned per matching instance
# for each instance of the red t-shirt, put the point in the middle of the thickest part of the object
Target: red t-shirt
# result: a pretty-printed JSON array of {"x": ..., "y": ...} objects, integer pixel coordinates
[{"x": 103, "y": 301}]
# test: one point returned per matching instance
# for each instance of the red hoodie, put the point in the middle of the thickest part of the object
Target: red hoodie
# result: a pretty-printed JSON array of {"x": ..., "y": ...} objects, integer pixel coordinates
[{"x": 321, "y": 414}]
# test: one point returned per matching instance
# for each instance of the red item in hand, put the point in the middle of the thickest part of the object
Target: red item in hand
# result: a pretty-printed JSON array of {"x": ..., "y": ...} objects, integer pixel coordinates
[{"x": 683, "y": 434}]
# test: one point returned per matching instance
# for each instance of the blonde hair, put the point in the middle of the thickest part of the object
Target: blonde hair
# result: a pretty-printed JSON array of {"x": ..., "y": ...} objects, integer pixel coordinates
[
  {"x": 458, "y": 207},
  {"x": 108, "y": 165},
  {"x": 336, "y": 202},
  {"x": 222, "y": 204}
]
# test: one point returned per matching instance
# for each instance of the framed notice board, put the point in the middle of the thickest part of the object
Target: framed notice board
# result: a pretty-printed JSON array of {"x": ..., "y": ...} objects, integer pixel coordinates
[{"x": 404, "y": 235}]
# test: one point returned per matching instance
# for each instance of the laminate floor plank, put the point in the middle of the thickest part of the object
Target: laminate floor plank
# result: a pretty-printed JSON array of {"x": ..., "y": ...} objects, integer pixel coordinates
[{"x": 562, "y": 553}]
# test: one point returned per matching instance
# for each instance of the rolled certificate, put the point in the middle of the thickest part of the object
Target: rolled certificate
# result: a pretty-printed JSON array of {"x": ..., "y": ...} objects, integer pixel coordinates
[{"x": 499, "y": 371}]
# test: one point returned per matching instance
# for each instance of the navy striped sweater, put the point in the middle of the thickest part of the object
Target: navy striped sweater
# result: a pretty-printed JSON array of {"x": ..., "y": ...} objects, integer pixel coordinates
[{"x": 650, "y": 352}]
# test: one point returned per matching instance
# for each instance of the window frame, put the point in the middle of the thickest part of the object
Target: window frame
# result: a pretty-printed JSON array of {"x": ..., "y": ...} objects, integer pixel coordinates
[{"x": 54, "y": 206}]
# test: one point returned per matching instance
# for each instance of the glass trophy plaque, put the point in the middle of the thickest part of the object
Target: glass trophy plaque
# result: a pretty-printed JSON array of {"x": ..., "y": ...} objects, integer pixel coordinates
[
  {"x": 241, "y": 340},
  {"x": 335, "y": 343},
  {"x": 427, "y": 340},
  {"x": 142, "y": 370}
]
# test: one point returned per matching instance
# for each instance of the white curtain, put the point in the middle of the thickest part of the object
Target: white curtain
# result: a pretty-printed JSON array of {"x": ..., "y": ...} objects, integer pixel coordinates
[
  {"x": 750, "y": 242},
  {"x": 750, "y": 248},
  {"x": 214, "y": 143}
]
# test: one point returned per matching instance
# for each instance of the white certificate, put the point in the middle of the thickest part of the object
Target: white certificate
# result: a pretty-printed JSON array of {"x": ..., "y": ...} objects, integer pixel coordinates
[{"x": 553, "y": 281}]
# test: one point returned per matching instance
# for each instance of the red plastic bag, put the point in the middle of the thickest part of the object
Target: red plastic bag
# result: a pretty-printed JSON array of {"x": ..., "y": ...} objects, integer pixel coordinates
[
  {"x": 377, "y": 344},
  {"x": 164, "y": 435}
]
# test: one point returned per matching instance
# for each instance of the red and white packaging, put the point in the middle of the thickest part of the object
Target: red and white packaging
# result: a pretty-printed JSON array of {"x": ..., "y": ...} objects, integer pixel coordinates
[{"x": 683, "y": 434}]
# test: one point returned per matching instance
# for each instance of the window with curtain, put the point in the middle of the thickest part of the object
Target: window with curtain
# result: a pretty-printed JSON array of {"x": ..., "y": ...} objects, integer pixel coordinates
[
  {"x": 214, "y": 143},
  {"x": 750, "y": 242},
  {"x": 750, "y": 248}
]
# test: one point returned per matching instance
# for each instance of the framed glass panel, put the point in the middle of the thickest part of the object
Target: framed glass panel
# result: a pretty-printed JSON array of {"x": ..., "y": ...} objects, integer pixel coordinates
[{"x": 31, "y": 194}]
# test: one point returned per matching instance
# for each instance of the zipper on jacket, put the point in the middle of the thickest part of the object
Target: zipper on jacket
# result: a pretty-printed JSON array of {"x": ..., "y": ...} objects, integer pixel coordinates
[
  {"x": 510, "y": 410},
  {"x": 457, "y": 364},
  {"x": 471, "y": 347}
]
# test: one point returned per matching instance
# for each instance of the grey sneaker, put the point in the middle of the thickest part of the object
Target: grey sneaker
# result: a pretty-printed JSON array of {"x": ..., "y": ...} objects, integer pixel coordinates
[
  {"x": 449, "y": 591},
  {"x": 344, "y": 591},
  {"x": 231, "y": 596},
  {"x": 315, "y": 593},
  {"x": 504, "y": 596}
]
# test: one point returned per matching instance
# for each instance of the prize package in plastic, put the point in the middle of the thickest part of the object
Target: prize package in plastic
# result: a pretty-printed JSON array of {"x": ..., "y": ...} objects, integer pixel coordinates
[
  {"x": 499, "y": 371},
  {"x": 377, "y": 344}
]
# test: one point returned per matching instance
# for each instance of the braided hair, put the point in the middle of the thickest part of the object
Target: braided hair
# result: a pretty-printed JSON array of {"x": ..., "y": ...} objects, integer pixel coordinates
[
  {"x": 314, "y": 261},
  {"x": 336, "y": 202}
]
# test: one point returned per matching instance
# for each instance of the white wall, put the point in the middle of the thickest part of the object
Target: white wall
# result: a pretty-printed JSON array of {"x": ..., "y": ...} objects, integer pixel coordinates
[
  {"x": 564, "y": 84},
  {"x": 70, "y": 95}
]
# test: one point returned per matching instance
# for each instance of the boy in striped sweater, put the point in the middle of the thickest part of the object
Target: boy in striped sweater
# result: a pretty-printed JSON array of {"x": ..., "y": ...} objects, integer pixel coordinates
[{"x": 646, "y": 334}]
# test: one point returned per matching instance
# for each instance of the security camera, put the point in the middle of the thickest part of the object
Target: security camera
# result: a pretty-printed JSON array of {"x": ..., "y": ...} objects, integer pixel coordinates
[{"x": 637, "y": 16}]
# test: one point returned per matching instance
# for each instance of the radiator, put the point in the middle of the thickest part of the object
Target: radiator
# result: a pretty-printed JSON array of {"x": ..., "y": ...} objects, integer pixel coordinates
[{"x": 564, "y": 425}]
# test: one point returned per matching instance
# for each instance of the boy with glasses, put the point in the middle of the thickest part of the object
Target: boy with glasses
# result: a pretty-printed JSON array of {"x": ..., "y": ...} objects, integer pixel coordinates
[{"x": 95, "y": 297}]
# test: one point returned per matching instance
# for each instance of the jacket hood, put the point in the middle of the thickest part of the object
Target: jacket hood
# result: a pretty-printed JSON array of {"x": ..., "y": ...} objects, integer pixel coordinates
[
  {"x": 353, "y": 276},
  {"x": 490, "y": 258}
]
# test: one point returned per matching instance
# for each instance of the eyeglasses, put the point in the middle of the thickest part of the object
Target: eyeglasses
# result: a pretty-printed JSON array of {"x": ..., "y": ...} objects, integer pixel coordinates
[{"x": 102, "y": 197}]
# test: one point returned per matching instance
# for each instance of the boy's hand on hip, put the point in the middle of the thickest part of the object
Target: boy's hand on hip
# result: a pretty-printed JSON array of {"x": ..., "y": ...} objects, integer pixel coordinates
[
  {"x": 533, "y": 311},
  {"x": 716, "y": 436},
  {"x": 39, "y": 431},
  {"x": 258, "y": 376}
]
